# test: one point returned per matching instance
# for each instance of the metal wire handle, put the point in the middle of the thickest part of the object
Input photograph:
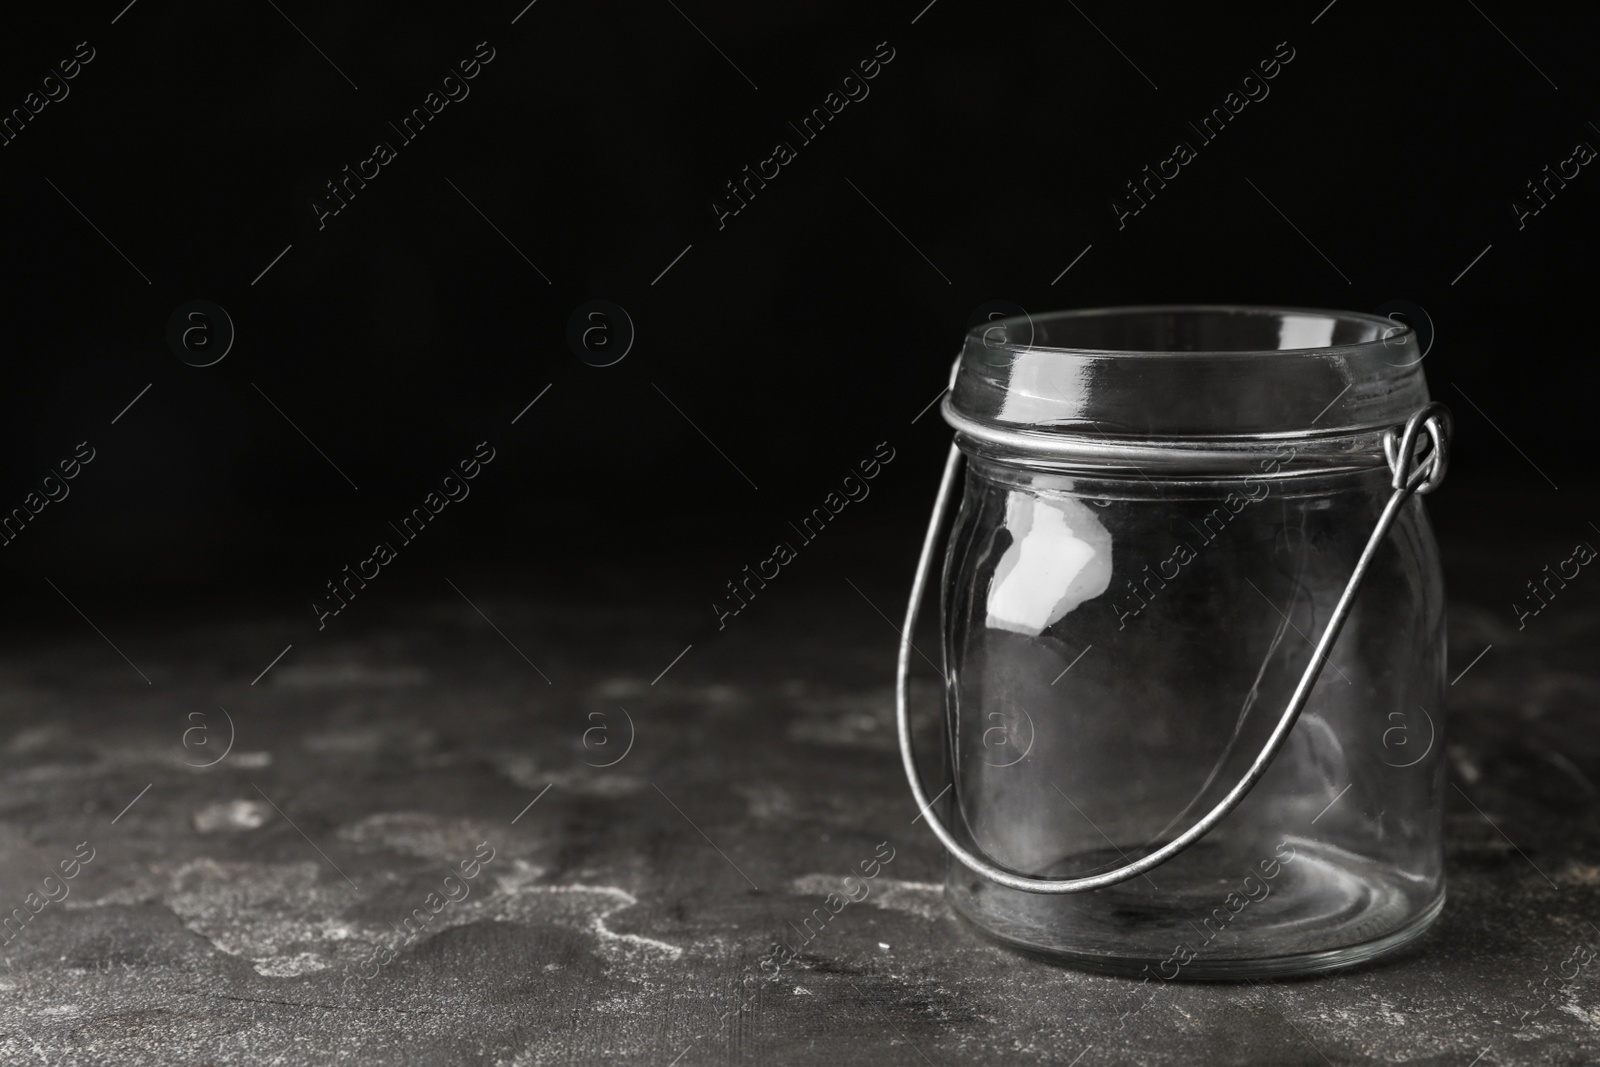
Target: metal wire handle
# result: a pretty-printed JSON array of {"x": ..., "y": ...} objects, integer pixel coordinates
[{"x": 1412, "y": 474}]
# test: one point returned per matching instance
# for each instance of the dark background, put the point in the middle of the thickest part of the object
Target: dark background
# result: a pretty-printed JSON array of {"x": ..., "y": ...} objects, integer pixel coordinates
[
  {"x": 817, "y": 323},
  {"x": 796, "y": 338}
]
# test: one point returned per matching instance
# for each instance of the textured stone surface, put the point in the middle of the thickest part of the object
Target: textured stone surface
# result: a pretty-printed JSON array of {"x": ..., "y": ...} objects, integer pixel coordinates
[{"x": 226, "y": 915}]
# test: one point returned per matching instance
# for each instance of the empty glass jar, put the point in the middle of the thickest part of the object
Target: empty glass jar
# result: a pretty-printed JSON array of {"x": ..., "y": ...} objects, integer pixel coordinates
[{"x": 1193, "y": 628}]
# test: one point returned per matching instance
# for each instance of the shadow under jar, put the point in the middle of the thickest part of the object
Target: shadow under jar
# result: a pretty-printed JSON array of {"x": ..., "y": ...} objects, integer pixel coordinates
[{"x": 1151, "y": 769}]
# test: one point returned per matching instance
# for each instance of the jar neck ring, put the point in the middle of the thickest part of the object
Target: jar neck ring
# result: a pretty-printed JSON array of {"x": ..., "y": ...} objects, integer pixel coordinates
[{"x": 1086, "y": 449}]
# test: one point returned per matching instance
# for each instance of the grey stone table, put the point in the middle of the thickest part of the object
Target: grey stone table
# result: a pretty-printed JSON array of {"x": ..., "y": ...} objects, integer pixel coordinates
[{"x": 269, "y": 908}]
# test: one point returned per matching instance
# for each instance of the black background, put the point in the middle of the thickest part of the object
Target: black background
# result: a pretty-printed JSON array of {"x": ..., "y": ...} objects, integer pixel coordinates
[{"x": 796, "y": 338}]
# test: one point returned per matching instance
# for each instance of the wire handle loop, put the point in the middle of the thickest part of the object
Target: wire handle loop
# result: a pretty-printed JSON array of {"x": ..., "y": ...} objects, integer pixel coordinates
[{"x": 1414, "y": 471}]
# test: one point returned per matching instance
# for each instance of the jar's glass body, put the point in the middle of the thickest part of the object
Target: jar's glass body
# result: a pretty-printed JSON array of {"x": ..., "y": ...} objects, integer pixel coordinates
[{"x": 1118, "y": 648}]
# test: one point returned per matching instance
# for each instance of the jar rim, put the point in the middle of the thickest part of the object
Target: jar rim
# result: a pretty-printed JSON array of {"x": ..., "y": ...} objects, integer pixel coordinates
[
  {"x": 1188, "y": 371},
  {"x": 1027, "y": 324}
]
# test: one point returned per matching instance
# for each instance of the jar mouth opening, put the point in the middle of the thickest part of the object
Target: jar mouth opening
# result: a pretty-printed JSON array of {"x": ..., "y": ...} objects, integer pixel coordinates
[
  {"x": 1198, "y": 330},
  {"x": 1188, "y": 371}
]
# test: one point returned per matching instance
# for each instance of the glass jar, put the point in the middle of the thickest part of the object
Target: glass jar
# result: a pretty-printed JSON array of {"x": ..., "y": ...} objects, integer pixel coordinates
[{"x": 1194, "y": 640}]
